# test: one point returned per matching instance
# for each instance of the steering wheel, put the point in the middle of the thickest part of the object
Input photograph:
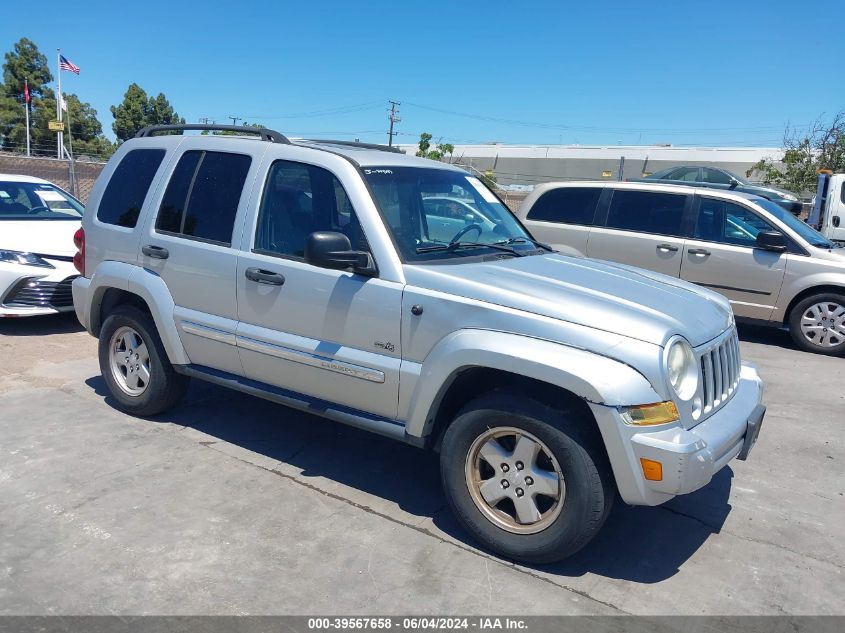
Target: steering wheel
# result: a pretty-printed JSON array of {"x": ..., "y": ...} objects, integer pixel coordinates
[
  {"x": 38, "y": 209},
  {"x": 465, "y": 230}
]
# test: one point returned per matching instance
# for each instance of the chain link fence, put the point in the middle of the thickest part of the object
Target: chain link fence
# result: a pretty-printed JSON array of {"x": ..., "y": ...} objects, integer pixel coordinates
[{"x": 76, "y": 177}]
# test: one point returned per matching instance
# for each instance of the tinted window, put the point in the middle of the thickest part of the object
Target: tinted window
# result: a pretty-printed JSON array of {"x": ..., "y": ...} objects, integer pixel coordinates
[
  {"x": 202, "y": 196},
  {"x": 842, "y": 193},
  {"x": 298, "y": 200},
  {"x": 687, "y": 174},
  {"x": 570, "y": 205},
  {"x": 716, "y": 176},
  {"x": 646, "y": 212},
  {"x": 124, "y": 195}
]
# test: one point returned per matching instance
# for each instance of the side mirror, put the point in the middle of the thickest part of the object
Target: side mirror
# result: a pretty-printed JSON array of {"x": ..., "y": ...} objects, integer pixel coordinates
[
  {"x": 330, "y": 249},
  {"x": 734, "y": 183},
  {"x": 771, "y": 241}
]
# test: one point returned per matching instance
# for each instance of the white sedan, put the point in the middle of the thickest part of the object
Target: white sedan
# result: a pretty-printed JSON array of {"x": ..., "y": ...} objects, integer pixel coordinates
[{"x": 37, "y": 224}]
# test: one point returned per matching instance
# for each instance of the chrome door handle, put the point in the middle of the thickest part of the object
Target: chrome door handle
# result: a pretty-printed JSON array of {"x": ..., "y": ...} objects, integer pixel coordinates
[
  {"x": 264, "y": 277},
  {"x": 156, "y": 252},
  {"x": 667, "y": 248},
  {"x": 703, "y": 252}
]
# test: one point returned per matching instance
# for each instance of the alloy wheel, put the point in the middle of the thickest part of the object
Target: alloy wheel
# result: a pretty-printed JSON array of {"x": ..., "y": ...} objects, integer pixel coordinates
[
  {"x": 515, "y": 480},
  {"x": 129, "y": 360}
]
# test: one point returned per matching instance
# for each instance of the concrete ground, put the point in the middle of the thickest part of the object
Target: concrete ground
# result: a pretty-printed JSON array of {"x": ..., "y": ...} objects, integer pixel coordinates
[{"x": 233, "y": 505}]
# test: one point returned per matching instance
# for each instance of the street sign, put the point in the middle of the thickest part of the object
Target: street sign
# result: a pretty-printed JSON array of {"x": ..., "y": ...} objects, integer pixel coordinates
[{"x": 56, "y": 126}]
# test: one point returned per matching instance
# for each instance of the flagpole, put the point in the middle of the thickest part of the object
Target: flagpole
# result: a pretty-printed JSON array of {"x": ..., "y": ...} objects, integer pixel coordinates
[
  {"x": 26, "y": 107},
  {"x": 59, "y": 136}
]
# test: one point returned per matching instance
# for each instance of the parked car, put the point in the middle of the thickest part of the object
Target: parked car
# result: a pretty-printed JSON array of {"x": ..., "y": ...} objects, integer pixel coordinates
[
  {"x": 774, "y": 268},
  {"x": 304, "y": 273},
  {"x": 37, "y": 223},
  {"x": 718, "y": 178}
]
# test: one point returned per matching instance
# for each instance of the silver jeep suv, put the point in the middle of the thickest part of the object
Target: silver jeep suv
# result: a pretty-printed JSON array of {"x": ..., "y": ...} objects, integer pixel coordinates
[{"x": 399, "y": 295}]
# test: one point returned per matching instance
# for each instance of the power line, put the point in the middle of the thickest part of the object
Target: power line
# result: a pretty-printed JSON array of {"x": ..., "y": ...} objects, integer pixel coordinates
[{"x": 583, "y": 128}]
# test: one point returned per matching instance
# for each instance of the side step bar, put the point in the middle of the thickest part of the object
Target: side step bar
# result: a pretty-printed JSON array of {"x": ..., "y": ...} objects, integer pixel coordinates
[{"x": 345, "y": 415}]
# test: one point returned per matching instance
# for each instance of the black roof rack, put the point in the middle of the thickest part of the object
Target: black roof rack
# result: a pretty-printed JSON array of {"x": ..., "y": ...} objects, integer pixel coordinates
[
  {"x": 375, "y": 146},
  {"x": 266, "y": 135}
]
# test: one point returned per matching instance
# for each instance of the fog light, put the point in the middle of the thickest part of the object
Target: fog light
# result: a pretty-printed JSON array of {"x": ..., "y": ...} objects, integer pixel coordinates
[
  {"x": 652, "y": 470},
  {"x": 649, "y": 414}
]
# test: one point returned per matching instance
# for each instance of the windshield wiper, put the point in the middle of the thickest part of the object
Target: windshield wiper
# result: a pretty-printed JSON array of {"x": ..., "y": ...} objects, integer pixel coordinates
[
  {"x": 453, "y": 246},
  {"x": 517, "y": 240}
]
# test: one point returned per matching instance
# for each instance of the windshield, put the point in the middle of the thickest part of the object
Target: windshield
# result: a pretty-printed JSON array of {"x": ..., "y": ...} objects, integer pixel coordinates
[
  {"x": 436, "y": 214},
  {"x": 811, "y": 235},
  {"x": 37, "y": 201}
]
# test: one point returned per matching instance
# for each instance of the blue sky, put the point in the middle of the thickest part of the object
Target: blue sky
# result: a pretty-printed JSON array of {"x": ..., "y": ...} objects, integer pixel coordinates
[{"x": 703, "y": 73}]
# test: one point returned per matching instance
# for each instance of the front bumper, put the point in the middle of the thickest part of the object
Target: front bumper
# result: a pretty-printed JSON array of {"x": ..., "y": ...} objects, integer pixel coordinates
[
  {"x": 32, "y": 291},
  {"x": 690, "y": 457}
]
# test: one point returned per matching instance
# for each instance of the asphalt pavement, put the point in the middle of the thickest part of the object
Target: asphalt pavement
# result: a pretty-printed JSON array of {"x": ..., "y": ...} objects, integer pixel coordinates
[{"x": 233, "y": 505}]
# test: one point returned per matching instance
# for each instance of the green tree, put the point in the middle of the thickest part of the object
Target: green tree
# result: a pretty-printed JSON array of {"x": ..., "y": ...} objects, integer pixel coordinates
[
  {"x": 26, "y": 62},
  {"x": 426, "y": 150},
  {"x": 137, "y": 111},
  {"x": 489, "y": 179},
  {"x": 86, "y": 131},
  {"x": 821, "y": 146}
]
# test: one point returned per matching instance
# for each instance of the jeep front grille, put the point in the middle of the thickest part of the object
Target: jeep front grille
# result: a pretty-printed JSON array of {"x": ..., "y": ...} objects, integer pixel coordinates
[
  {"x": 720, "y": 369},
  {"x": 35, "y": 293}
]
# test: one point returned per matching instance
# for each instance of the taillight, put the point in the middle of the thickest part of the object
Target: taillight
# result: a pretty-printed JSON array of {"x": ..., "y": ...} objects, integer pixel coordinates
[{"x": 79, "y": 258}]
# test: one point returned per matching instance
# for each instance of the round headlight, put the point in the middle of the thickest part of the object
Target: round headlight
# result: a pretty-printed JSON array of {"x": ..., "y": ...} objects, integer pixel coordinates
[{"x": 681, "y": 369}]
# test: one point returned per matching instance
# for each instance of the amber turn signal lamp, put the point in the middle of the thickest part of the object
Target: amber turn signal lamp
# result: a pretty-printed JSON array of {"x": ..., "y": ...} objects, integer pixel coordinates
[
  {"x": 649, "y": 414},
  {"x": 652, "y": 470}
]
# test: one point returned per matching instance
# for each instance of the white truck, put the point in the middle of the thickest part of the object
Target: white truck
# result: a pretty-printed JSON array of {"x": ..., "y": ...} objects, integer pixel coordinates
[{"x": 828, "y": 212}]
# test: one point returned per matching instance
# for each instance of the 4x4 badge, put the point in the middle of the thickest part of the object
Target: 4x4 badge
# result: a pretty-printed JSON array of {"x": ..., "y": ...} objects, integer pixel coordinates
[{"x": 385, "y": 345}]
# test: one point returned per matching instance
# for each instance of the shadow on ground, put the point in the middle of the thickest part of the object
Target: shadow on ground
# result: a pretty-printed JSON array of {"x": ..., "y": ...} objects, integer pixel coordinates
[
  {"x": 765, "y": 336},
  {"x": 42, "y": 325},
  {"x": 645, "y": 545}
]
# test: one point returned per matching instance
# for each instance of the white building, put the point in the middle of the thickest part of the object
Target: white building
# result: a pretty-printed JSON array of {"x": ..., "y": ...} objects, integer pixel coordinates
[{"x": 533, "y": 164}]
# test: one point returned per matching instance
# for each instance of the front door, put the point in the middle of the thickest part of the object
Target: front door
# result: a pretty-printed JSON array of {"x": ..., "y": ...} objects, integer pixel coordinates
[
  {"x": 643, "y": 228},
  {"x": 330, "y": 335},
  {"x": 722, "y": 256}
]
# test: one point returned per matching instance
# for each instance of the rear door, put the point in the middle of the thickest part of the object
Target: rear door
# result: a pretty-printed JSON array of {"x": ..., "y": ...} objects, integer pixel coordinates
[
  {"x": 188, "y": 243},
  {"x": 722, "y": 256},
  {"x": 563, "y": 218},
  {"x": 642, "y": 228}
]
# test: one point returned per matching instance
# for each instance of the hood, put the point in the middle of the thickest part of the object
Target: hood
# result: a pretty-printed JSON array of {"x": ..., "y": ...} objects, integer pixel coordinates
[
  {"x": 46, "y": 237},
  {"x": 620, "y": 299}
]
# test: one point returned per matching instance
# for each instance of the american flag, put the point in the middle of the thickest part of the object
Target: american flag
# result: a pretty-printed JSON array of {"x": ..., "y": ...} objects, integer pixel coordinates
[{"x": 66, "y": 64}]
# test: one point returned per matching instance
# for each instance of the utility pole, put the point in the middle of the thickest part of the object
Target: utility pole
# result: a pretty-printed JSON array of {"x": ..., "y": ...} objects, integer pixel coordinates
[
  {"x": 235, "y": 119},
  {"x": 394, "y": 118}
]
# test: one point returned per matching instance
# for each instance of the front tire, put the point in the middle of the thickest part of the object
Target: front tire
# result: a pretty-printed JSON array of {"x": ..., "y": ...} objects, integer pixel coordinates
[
  {"x": 817, "y": 324},
  {"x": 135, "y": 366},
  {"x": 528, "y": 481}
]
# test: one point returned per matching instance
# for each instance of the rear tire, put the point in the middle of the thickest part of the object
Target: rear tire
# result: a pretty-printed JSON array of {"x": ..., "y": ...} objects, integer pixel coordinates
[
  {"x": 817, "y": 324},
  {"x": 135, "y": 366},
  {"x": 566, "y": 448}
]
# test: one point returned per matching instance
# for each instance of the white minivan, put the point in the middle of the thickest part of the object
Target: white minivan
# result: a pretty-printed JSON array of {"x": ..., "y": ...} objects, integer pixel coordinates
[
  {"x": 37, "y": 223},
  {"x": 774, "y": 268}
]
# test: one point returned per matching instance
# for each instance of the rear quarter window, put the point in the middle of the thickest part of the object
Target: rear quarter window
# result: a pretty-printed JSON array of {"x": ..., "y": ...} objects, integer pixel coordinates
[
  {"x": 567, "y": 205},
  {"x": 128, "y": 186},
  {"x": 202, "y": 197}
]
